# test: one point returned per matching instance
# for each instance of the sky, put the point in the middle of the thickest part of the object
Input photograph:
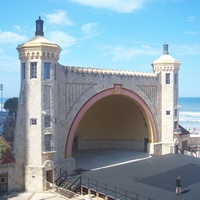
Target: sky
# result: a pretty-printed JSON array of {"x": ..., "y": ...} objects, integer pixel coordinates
[{"x": 108, "y": 34}]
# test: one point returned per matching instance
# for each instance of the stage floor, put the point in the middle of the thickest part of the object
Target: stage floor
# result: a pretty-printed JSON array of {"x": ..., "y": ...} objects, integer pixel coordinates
[{"x": 141, "y": 173}]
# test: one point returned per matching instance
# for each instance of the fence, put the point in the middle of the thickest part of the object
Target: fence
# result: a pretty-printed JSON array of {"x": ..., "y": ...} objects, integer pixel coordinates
[{"x": 105, "y": 191}]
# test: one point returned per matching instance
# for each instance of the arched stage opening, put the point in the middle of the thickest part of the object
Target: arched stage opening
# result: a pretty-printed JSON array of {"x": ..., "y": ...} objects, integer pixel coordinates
[{"x": 115, "y": 118}]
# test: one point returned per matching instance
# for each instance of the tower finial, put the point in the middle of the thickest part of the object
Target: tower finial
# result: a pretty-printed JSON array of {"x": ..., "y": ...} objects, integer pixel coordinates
[
  {"x": 39, "y": 27},
  {"x": 165, "y": 49}
]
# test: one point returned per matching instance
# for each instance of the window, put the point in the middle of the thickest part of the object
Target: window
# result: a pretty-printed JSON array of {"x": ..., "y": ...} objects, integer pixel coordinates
[
  {"x": 33, "y": 121},
  {"x": 175, "y": 125},
  {"x": 47, "y": 140},
  {"x": 47, "y": 121},
  {"x": 46, "y": 70},
  {"x": 167, "y": 78},
  {"x": 168, "y": 112},
  {"x": 3, "y": 183},
  {"x": 33, "y": 70},
  {"x": 175, "y": 79},
  {"x": 23, "y": 70},
  {"x": 47, "y": 143},
  {"x": 3, "y": 180},
  {"x": 175, "y": 112}
]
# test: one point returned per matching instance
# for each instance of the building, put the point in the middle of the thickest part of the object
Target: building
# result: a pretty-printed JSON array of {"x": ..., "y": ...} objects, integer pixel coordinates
[{"x": 62, "y": 109}]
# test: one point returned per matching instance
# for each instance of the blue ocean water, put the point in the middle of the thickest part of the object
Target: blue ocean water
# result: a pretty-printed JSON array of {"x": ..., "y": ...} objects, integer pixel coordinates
[{"x": 189, "y": 112}]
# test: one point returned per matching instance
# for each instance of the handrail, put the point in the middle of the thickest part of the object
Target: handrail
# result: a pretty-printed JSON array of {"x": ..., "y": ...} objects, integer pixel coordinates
[
  {"x": 61, "y": 178},
  {"x": 112, "y": 192},
  {"x": 74, "y": 183},
  {"x": 193, "y": 151},
  {"x": 180, "y": 150}
]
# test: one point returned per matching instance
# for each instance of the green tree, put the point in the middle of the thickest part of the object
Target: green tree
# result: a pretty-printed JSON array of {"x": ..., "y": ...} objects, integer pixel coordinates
[
  {"x": 11, "y": 106},
  {"x": 4, "y": 148}
]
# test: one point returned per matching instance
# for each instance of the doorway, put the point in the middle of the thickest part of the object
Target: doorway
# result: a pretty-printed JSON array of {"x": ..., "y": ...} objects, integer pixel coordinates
[
  {"x": 185, "y": 145},
  {"x": 49, "y": 176}
]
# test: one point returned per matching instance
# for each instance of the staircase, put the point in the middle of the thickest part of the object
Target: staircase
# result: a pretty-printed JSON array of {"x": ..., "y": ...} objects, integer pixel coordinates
[{"x": 84, "y": 188}]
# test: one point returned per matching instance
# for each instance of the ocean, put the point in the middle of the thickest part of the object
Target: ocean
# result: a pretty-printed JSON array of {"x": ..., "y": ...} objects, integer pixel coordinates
[{"x": 189, "y": 112}]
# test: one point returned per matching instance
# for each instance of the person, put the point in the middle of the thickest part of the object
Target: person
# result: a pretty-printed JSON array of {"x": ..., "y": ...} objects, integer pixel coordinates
[{"x": 178, "y": 185}]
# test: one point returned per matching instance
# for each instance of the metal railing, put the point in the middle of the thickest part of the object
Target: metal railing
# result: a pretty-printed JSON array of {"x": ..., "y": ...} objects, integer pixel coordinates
[
  {"x": 180, "y": 151},
  {"x": 49, "y": 148},
  {"x": 89, "y": 186},
  {"x": 193, "y": 153},
  {"x": 177, "y": 130},
  {"x": 61, "y": 178},
  {"x": 176, "y": 150}
]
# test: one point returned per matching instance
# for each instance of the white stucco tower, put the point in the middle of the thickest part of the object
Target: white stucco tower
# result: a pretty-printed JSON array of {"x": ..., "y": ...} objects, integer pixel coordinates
[
  {"x": 167, "y": 68},
  {"x": 38, "y": 59}
]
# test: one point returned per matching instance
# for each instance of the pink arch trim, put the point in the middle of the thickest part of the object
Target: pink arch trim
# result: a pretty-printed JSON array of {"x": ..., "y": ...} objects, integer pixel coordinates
[{"x": 97, "y": 97}]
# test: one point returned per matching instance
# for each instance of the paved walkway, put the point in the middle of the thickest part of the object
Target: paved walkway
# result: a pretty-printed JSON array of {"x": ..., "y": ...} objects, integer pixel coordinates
[
  {"x": 151, "y": 176},
  {"x": 33, "y": 196}
]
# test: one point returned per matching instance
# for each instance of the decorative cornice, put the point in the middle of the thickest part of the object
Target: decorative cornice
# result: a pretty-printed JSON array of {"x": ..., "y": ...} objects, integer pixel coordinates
[
  {"x": 165, "y": 68},
  {"x": 82, "y": 70},
  {"x": 38, "y": 55},
  {"x": 39, "y": 47}
]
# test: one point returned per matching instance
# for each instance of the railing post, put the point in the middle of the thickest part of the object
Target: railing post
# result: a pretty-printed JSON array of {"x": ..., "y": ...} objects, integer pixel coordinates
[
  {"x": 97, "y": 193},
  {"x": 106, "y": 197},
  {"x": 81, "y": 185},
  {"x": 89, "y": 193}
]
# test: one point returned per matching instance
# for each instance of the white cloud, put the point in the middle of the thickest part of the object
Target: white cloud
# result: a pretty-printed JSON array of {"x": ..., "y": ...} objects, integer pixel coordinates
[
  {"x": 120, "y": 53},
  {"x": 191, "y": 18},
  {"x": 124, "y": 6},
  {"x": 59, "y": 17},
  {"x": 192, "y": 33},
  {"x": 8, "y": 63},
  {"x": 12, "y": 38},
  {"x": 187, "y": 50},
  {"x": 62, "y": 39},
  {"x": 90, "y": 29}
]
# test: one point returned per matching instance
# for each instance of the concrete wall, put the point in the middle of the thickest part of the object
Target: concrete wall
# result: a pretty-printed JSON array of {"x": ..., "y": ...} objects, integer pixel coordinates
[{"x": 114, "y": 117}]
